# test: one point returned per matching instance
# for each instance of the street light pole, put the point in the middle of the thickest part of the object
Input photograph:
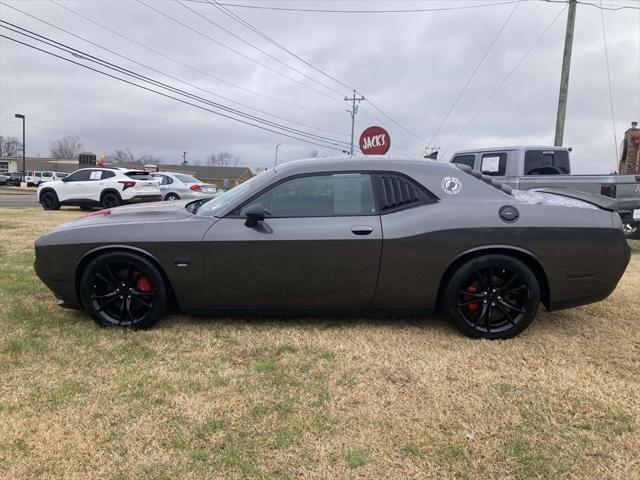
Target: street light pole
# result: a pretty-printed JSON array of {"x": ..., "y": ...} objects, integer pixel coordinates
[
  {"x": 24, "y": 173},
  {"x": 276, "y": 162}
]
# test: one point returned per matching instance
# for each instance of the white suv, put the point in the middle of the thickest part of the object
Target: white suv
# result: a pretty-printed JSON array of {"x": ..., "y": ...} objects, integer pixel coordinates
[{"x": 99, "y": 187}]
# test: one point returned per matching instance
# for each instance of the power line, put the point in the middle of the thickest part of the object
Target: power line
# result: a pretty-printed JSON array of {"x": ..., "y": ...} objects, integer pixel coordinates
[
  {"x": 191, "y": 67},
  {"x": 606, "y": 56},
  {"x": 85, "y": 56},
  {"x": 292, "y": 135},
  {"x": 408, "y": 10},
  {"x": 171, "y": 76},
  {"x": 207, "y": 19},
  {"x": 473, "y": 74},
  {"x": 254, "y": 29},
  {"x": 237, "y": 52},
  {"x": 326, "y": 10},
  {"x": 506, "y": 78}
]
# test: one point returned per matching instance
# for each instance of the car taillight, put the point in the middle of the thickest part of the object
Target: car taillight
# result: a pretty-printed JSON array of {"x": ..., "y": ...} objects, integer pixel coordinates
[
  {"x": 608, "y": 190},
  {"x": 196, "y": 188},
  {"x": 127, "y": 184}
]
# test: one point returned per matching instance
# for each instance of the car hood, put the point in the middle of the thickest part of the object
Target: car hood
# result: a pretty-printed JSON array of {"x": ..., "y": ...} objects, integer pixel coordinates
[{"x": 156, "y": 212}]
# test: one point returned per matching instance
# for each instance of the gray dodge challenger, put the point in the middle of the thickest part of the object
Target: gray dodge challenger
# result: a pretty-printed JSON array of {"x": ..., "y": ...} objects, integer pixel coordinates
[{"x": 344, "y": 235}]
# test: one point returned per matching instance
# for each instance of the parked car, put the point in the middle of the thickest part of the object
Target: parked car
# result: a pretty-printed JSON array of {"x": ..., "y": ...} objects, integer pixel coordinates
[
  {"x": 361, "y": 235},
  {"x": 175, "y": 186},
  {"x": 33, "y": 178},
  {"x": 99, "y": 187},
  {"x": 50, "y": 176},
  {"x": 525, "y": 168},
  {"x": 11, "y": 179}
]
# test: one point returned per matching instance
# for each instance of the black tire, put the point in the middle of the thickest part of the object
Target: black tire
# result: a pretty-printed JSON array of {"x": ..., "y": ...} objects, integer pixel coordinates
[
  {"x": 123, "y": 289},
  {"x": 29, "y": 184},
  {"x": 493, "y": 297},
  {"x": 632, "y": 231},
  {"x": 172, "y": 197},
  {"x": 110, "y": 200},
  {"x": 49, "y": 200}
]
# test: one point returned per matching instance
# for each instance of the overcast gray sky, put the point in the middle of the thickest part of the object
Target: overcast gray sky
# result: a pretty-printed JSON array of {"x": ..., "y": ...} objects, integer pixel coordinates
[{"x": 410, "y": 65}]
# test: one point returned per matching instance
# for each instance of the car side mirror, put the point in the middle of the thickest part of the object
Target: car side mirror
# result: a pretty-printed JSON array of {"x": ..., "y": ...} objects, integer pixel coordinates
[
  {"x": 254, "y": 214},
  {"x": 64, "y": 179}
]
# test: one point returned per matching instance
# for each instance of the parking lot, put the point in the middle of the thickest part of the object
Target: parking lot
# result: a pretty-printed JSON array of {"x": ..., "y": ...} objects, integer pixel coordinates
[{"x": 313, "y": 397}]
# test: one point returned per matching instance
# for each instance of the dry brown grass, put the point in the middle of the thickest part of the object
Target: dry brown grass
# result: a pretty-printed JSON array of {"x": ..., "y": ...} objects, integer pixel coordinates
[{"x": 310, "y": 398}]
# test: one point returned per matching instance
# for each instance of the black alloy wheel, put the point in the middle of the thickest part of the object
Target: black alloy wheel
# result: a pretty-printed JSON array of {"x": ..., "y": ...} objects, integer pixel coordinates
[
  {"x": 493, "y": 296},
  {"x": 124, "y": 290},
  {"x": 49, "y": 201},
  {"x": 110, "y": 200}
]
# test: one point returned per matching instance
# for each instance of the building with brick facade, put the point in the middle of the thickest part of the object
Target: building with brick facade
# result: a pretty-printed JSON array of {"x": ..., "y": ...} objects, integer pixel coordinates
[{"x": 630, "y": 158}]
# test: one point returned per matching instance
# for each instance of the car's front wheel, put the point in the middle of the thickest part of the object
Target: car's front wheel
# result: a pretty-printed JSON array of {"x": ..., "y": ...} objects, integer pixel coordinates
[
  {"x": 110, "y": 200},
  {"x": 49, "y": 201},
  {"x": 123, "y": 289},
  {"x": 492, "y": 296}
]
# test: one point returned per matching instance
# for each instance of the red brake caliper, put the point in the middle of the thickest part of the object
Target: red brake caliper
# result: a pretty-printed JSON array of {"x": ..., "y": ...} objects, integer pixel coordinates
[
  {"x": 143, "y": 285},
  {"x": 466, "y": 298}
]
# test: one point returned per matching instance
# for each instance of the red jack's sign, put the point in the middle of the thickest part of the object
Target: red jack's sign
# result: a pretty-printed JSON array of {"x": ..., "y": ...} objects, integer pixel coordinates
[{"x": 375, "y": 141}]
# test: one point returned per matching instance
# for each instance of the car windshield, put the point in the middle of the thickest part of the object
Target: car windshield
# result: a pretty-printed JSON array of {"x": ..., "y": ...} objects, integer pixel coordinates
[
  {"x": 216, "y": 204},
  {"x": 186, "y": 178}
]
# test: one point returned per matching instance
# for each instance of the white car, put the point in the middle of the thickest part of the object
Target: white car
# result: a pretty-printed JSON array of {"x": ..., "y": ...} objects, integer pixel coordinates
[
  {"x": 176, "y": 186},
  {"x": 99, "y": 187},
  {"x": 33, "y": 178}
]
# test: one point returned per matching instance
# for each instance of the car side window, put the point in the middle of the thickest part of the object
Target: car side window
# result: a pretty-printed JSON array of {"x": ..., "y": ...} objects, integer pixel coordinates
[
  {"x": 79, "y": 176},
  {"x": 467, "y": 160},
  {"x": 107, "y": 174},
  {"x": 494, "y": 164},
  {"x": 319, "y": 196}
]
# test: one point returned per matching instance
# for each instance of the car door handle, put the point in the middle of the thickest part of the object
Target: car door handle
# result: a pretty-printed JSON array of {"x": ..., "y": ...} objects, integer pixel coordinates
[{"x": 361, "y": 229}]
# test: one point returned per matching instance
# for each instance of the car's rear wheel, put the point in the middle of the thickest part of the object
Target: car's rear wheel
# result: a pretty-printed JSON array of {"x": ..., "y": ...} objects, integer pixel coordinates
[
  {"x": 492, "y": 296},
  {"x": 632, "y": 231},
  {"x": 172, "y": 197},
  {"x": 49, "y": 201},
  {"x": 110, "y": 200},
  {"x": 124, "y": 290}
]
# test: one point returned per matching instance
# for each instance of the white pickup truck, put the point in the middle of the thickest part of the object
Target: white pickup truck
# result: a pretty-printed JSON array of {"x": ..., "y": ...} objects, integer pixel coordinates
[{"x": 525, "y": 168}]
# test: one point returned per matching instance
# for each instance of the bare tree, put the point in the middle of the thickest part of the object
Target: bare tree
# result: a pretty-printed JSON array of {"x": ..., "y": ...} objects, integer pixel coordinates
[
  {"x": 223, "y": 159},
  {"x": 122, "y": 155},
  {"x": 148, "y": 158},
  {"x": 65, "y": 147},
  {"x": 10, "y": 146},
  {"x": 313, "y": 153}
]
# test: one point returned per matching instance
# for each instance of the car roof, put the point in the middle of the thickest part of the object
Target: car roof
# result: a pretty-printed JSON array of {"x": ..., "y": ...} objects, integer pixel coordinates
[
  {"x": 520, "y": 147},
  {"x": 360, "y": 162}
]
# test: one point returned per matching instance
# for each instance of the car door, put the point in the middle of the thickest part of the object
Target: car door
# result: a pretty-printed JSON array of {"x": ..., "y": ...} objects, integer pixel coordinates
[
  {"x": 72, "y": 188},
  {"x": 319, "y": 246}
]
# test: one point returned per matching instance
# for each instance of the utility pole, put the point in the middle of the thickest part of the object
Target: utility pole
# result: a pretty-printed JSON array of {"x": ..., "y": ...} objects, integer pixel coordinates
[
  {"x": 353, "y": 111},
  {"x": 24, "y": 173},
  {"x": 184, "y": 158},
  {"x": 564, "y": 78}
]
